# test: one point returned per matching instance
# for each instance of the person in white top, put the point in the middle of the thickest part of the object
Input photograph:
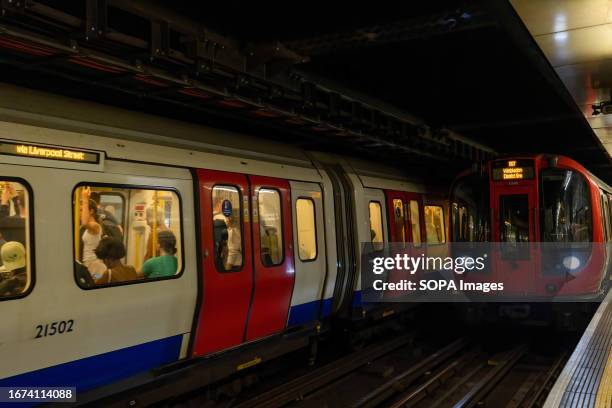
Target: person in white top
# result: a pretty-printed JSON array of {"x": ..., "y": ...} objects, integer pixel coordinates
[
  {"x": 92, "y": 234},
  {"x": 234, "y": 242}
]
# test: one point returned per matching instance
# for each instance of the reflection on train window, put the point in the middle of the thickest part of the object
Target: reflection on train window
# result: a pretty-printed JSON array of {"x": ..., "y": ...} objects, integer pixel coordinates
[
  {"x": 112, "y": 205},
  {"x": 514, "y": 225},
  {"x": 399, "y": 221},
  {"x": 470, "y": 210},
  {"x": 270, "y": 227},
  {"x": 227, "y": 228},
  {"x": 566, "y": 207},
  {"x": 434, "y": 224},
  {"x": 306, "y": 229},
  {"x": 15, "y": 266},
  {"x": 415, "y": 223},
  {"x": 376, "y": 225},
  {"x": 125, "y": 234}
]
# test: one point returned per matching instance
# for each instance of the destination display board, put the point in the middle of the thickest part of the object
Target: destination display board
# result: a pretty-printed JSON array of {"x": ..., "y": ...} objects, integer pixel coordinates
[{"x": 508, "y": 170}]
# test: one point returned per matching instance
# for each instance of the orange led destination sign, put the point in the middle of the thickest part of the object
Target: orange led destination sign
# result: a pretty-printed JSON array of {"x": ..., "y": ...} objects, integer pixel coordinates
[
  {"x": 512, "y": 170},
  {"x": 49, "y": 152}
]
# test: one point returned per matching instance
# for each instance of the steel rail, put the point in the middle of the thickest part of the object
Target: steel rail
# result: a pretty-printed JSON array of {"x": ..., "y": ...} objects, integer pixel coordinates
[
  {"x": 389, "y": 388},
  {"x": 322, "y": 376}
]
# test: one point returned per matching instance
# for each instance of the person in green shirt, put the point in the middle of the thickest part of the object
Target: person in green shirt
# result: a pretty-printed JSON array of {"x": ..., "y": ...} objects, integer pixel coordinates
[{"x": 166, "y": 263}]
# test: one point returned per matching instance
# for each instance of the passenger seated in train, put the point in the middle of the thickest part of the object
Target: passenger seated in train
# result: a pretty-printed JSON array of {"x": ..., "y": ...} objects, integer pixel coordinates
[
  {"x": 12, "y": 213},
  {"x": 166, "y": 263},
  {"x": 111, "y": 251},
  {"x": 155, "y": 224},
  {"x": 91, "y": 235},
  {"x": 234, "y": 242},
  {"x": 13, "y": 272}
]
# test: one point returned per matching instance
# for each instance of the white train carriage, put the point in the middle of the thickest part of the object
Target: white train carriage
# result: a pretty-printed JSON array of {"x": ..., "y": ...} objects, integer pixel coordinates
[{"x": 263, "y": 240}]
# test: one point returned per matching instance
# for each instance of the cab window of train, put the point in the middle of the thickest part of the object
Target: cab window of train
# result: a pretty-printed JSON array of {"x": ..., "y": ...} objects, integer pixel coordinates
[
  {"x": 434, "y": 224},
  {"x": 415, "y": 223},
  {"x": 376, "y": 226},
  {"x": 125, "y": 234},
  {"x": 565, "y": 206},
  {"x": 15, "y": 267},
  {"x": 399, "y": 221},
  {"x": 514, "y": 218},
  {"x": 306, "y": 229},
  {"x": 270, "y": 227},
  {"x": 227, "y": 228}
]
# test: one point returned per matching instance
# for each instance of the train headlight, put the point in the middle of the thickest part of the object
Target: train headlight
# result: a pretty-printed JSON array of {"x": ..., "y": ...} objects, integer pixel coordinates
[{"x": 571, "y": 262}]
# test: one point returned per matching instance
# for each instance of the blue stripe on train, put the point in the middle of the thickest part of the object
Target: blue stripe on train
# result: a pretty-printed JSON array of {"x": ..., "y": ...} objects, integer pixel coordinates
[
  {"x": 308, "y": 312},
  {"x": 91, "y": 372}
]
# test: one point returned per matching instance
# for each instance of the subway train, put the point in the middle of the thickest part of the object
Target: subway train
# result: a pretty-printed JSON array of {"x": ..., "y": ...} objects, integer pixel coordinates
[
  {"x": 135, "y": 244},
  {"x": 548, "y": 223}
]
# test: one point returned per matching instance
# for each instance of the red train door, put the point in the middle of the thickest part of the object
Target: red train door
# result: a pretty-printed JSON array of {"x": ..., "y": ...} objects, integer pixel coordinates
[
  {"x": 227, "y": 284},
  {"x": 405, "y": 226},
  {"x": 272, "y": 256},
  {"x": 514, "y": 227}
]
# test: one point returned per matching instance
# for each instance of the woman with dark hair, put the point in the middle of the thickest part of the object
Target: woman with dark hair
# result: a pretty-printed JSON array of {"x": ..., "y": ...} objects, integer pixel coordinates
[
  {"x": 110, "y": 251},
  {"x": 166, "y": 263}
]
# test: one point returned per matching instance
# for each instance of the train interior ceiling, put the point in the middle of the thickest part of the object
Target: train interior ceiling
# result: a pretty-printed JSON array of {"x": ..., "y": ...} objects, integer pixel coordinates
[{"x": 443, "y": 79}]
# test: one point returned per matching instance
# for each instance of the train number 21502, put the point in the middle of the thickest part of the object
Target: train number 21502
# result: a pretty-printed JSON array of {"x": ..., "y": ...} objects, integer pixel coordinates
[{"x": 51, "y": 329}]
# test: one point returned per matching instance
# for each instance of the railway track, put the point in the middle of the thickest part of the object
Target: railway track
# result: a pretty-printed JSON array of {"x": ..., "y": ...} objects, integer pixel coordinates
[{"x": 402, "y": 373}]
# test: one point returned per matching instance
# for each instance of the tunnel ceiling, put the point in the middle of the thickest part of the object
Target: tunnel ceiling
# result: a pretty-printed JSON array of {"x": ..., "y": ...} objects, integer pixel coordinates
[{"x": 439, "y": 82}]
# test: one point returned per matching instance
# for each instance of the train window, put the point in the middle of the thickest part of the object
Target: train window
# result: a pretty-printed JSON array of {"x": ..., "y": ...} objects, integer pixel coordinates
[
  {"x": 415, "y": 223},
  {"x": 514, "y": 225},
  {"x": 470, "y": 209},
  {"x": 15, "y": 255},
  {"x": 566, "y": 206},
  {"x": 270, "y": 227},
  {"x": 399, "y": 221},
  {"x": 605, "y": 213},
  {"x": 306, "y": 229},
  {"x": 125, "y": 234},
  {"x": 434, "y": 224},
  {"x": 227, "y": 228},
  {"x": 376, "y": 225}
]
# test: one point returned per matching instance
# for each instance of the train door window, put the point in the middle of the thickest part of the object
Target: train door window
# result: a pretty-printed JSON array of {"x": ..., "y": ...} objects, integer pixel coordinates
[
  {"x": 415, "y": 222},
  {"x": 434, "y": 224},
  {"x": 126, "y": 234},
  {"x": 15, "y": 250},
  {"x": 227, "y": 228},
  {"x": 514, "y": 225},
  {"x": 566, "y": 206},
  {"x": 376, "y": 227},
  {"x": 399, "y": 220},
  {"x": 306, "y": 229},
  {"x": 270, "y": 227}
]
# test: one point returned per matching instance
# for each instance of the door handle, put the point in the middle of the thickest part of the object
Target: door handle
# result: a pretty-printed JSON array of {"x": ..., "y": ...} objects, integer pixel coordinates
[{"x": 205, "y": 253}]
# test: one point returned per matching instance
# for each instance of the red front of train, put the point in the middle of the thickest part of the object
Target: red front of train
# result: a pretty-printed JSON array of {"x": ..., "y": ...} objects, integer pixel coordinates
[{"x": 547, "y": 223}]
